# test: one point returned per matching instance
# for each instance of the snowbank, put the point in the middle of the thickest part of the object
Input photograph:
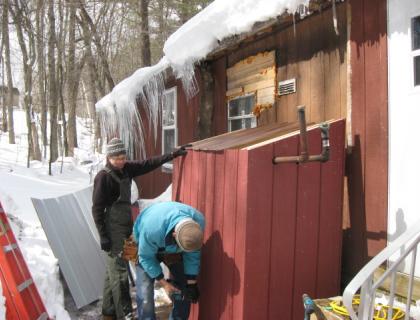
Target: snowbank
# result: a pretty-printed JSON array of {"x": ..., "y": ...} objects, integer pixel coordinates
[{"x": 18, "y": 185}]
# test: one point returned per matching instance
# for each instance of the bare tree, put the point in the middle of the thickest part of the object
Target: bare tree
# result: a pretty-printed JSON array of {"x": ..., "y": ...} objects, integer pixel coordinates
[
  {"x": 145, "y": 35},
  {"x": 23, "y": 24},
  {"x": 52, "y": 90},
  {"x": 3, "y": 93},
  {"x": 96, "y": 40},
  {"x": 40, "y": 11},
  {"x": 61, "y": 43},
  {"x": 6, "y": 43}
]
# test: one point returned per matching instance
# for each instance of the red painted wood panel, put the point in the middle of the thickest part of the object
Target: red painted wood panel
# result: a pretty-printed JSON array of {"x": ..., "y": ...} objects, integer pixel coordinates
[
  {"x": 367, "y": 164},
  {"x": 328, "y": 271},
  {"x": 283, "y": 232},
  {"x": 229, "y": 232},
  {"x": 307, "y": 227},
  {"x": 258, "y": 235},
  {"x": 273, "y": 232},
  {"x": 238, "y": 265}
]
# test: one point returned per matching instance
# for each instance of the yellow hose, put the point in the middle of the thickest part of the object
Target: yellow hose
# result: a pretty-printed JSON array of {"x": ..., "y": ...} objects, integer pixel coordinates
[{"x": 380, "y": 313}]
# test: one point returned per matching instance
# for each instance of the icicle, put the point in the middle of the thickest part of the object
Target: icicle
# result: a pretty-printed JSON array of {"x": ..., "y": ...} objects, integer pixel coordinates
[
  {"x": 119, "y": 113},
  {"x": 187, "y": 75},
  {"x": 335, "y": 18},
  {"x": 294, "y": 25}
]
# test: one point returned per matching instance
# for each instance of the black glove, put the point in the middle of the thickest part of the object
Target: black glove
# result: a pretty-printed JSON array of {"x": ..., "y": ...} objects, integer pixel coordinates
[
  {"x": 181, "y": 150},
  {"x": 105, "y": 244},
  {"x": 191, "y": 292}
]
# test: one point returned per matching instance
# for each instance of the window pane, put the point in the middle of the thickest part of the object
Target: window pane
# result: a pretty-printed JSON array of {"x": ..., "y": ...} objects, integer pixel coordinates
[
  {"x": 241, "y": 106},
  {"x": 242, "y": 123},
  {"x": 415, "y": 27},
  {"x": 417, "y": 71},
  {"x": 168, "y": 110},
  {"x": 168, "y": 140}
]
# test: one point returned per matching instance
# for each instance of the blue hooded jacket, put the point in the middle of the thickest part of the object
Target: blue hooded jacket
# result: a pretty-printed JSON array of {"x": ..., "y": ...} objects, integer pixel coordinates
[{"x": 151, "y": 228}]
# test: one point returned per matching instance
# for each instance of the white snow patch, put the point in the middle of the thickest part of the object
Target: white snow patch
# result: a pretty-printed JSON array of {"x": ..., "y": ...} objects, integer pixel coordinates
[
  {"x": 2, "y": 304},
  {"x": 18, "y": 185},
  {"x": 165, "y": 196}
]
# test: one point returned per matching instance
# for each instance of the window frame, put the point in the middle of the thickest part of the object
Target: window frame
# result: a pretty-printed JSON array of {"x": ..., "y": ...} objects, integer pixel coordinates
[
  {"x": 167, "y": 167},
  {"x": 414, "y": 53},
  {"x": 247, "y": 116}
]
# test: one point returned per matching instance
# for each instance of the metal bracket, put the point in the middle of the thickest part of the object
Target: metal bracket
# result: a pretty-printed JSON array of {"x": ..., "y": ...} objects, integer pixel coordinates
[{"x": 304, "y": 156}]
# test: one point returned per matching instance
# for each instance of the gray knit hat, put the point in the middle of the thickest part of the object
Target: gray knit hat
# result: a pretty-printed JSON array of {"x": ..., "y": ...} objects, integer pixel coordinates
[
  {"x": 189, "y": 235},
  {"x": 115, "y": 147}
]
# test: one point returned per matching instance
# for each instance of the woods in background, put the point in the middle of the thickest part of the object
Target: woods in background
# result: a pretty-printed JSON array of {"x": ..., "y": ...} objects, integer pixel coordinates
[{"x": 73, "y": 52}]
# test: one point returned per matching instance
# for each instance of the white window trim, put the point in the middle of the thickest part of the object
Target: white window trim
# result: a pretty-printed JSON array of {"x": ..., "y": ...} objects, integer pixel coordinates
[
  {"x": 248, "y": 116},
  {"x": 413, "y": 54},
  {"x": 167, "y": 167}
]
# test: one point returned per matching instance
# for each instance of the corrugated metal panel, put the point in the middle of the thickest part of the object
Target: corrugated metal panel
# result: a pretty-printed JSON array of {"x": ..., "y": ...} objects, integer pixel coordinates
[
  {"x": 273, "y": 232},
  {"x": 242, "y": 138},
  {"x": 68, "y": 224}
]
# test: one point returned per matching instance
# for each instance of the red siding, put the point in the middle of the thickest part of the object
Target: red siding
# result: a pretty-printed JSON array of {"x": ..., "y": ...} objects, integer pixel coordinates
[
  {"x": 272, "y": 232},
  {"x": 367, "y": 165},
  {"x": 156, "y": 182}
]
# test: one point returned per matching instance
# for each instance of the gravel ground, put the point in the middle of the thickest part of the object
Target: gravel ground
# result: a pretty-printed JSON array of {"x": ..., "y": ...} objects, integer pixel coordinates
[{"x": 93, "y": 310}]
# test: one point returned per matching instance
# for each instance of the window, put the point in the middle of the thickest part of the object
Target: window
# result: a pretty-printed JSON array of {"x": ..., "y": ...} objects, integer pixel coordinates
[
  {"x": 240, "y": 113},
  {"x": 415, "y": 43},
  {"x": 169, "y": 124}
]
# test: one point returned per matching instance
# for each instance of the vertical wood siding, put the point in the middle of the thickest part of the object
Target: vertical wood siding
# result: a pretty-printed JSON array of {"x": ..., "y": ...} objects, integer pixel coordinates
[
  {"x": 367, "y": 165},
  {"x": 272, "y": 232}
]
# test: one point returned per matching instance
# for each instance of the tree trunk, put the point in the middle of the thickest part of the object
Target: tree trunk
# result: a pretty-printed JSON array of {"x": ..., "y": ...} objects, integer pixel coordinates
[
  {"x": 5, "y": 28},
  {"x": 21, "y": 20},
  {"x": 101, "y": 53},
  {"x": 52, "y": 91},
  {"x": 71, "y": 82},
  {"x": 92, "y": 70},
  {"x": 41, "y": 71},
  {"x": 92, "y": 79},
  {"x": 3, "y": 95},
  {"x": 206, "y": 104},
  {"x": 144, "y": 35}
]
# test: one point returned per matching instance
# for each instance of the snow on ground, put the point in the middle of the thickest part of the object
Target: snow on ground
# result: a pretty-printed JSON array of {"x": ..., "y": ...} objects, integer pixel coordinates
[
  {"x": 18, "y": 185},
  {"x": 2, "y": 302}
]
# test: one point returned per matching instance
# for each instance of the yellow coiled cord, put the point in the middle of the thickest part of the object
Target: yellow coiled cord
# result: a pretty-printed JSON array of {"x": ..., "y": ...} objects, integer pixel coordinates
[{"x": 380, "y": 313}]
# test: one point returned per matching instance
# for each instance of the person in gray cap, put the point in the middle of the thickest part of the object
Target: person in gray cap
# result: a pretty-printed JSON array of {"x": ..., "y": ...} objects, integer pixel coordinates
[
  {"x": 111, "y": 210},
  {"x": 172, "y": 233}
]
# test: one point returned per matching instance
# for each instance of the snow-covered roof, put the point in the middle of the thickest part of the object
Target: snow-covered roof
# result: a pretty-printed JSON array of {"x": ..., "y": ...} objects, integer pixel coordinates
[
  {"x": 191, "y": 43},
  {"x": 201, "y": 34}
]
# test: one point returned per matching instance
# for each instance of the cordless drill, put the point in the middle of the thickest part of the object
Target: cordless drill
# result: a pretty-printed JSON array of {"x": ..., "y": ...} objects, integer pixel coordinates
[{"x": 308, "y": 305}]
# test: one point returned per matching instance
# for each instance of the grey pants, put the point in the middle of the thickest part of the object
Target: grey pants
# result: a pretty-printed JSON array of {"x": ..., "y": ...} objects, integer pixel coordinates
[{"x": 116, "y": 298}]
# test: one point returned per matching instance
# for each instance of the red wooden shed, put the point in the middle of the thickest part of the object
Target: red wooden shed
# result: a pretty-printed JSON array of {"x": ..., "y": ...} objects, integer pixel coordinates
[{"x": 273, "y": 232}]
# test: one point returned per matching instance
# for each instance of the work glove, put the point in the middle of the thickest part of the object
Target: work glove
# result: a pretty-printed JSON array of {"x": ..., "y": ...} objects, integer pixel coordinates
[
  {"x": 130, "y": 250},
  {"x": 105, "y": 244},
  {"x": 191, "y": 292},
  {"x": 181, "y": 151}
]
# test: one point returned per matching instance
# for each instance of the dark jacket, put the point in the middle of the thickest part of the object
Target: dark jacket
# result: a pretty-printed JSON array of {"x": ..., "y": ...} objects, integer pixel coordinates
[{"x": 106, "y": 190}]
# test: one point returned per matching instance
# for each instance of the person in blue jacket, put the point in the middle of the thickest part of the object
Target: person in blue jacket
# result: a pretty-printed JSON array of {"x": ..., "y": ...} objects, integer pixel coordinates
[{"x": 169, "y": 232}]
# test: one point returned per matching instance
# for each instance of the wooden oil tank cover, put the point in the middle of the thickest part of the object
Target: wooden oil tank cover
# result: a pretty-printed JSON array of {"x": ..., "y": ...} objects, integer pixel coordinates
[{"x": 273, "y": 231}]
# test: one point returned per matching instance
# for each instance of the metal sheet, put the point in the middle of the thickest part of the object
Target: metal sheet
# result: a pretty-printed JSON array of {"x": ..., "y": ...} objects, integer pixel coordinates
[{"x": 71, "y": 232}]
